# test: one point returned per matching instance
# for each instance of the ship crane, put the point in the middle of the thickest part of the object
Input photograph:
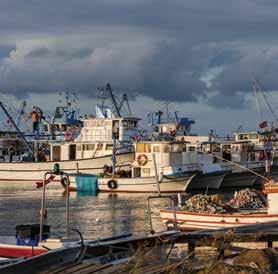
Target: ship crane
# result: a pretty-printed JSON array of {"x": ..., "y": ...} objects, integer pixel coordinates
[
  {"x": 125, "y": 100},
  {"x": 21, "y": 112},
  {"x": 115, "y": 105}
]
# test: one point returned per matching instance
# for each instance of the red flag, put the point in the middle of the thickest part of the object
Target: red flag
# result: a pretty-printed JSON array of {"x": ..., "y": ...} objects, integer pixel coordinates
[
  {"x": 40, "y": 183},
  {"x": 263, "y": 124}
]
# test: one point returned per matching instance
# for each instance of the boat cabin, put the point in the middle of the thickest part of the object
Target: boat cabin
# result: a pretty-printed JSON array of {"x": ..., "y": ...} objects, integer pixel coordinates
[
  {"x": 102, "y": 129},
  {"x": 171, "y": 157},
  {"x": 96, "y": 139},
  {"x": 167, "y": 123}
]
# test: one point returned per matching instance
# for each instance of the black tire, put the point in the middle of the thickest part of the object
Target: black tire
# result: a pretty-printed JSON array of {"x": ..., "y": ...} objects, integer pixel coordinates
[{"x": 112, "y": 184}]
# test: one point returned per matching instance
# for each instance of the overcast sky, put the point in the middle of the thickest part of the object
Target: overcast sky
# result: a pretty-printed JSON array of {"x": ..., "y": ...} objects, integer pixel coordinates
[{"x": 199, "y": 55}]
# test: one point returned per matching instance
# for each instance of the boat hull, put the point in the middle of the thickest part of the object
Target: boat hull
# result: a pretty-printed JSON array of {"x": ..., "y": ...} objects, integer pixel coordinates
[
  {"x": 142, "y": 185},
  {"x": 188, "y": 221},
  {"x": 206, "y": 181},
  {"x": 34, "y": 171},
  {"x": 18, "y": 251},
  {"x": 240, "y": 179}
]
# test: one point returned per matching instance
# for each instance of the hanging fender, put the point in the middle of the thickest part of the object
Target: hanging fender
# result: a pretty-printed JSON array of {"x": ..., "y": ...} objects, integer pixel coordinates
[{"x": 112, "y": 184}]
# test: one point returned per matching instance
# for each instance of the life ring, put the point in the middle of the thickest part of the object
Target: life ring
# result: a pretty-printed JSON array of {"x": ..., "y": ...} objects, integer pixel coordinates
[
  {"x": 112, "y": 184},
  {"x": 142, "y": 159}
]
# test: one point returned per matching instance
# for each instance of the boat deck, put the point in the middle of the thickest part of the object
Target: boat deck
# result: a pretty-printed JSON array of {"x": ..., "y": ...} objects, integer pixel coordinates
[{"x": 151, "y": 254}]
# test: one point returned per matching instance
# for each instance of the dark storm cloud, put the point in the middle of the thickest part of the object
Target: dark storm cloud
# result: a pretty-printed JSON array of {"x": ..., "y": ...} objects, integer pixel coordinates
[
  {"x": 39, "y": 52},
  {"x": 168, "y": 50}
]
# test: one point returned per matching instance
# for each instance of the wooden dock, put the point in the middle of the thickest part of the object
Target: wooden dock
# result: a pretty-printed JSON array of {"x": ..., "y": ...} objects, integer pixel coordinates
[
  {"x": 266, "y": 233},
  {"x": 153, "y": 253}
]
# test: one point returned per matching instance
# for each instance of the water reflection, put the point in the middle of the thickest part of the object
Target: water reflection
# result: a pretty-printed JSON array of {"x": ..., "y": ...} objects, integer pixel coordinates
[{"x": 95, "y": 216}]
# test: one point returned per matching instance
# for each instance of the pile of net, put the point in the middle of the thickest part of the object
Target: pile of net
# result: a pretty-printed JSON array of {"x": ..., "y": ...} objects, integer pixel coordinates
[
  {"x": 247, "y": 198},
  {"x": 204, "y": 204}
]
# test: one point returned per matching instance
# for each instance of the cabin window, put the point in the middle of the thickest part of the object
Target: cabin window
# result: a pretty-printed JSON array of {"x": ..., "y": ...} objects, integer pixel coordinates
[
  {"x": 253, "y": 136},
  {"x": 132, "y": 124},
  {"x": 176, "y": 148},
  {"x": 216, "y": 148},
  {"x": 184, "y": 147},
  {"x": 156, "y": 148},
  {"x": 166, "y": 148},
  {"x": 108, "y": 123},
  {"x": 109, "y": 147},
  {"x": 89, "y": 147},
  {"x": 78, "y": 148},
  {"x": 252, "y": 157},
  {"x": 146, "y": 170},
  {"x": 191, "y": 148},
  {"x": 143, "y": 148},
  {"x": 63, "y": 127},
  {"x": 99, "y": 146},
  {"x": 125, "y": 124}
]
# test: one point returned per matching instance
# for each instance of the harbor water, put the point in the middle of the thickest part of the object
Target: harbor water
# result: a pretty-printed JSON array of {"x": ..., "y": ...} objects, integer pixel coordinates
[{"x": 94, "y": 216}]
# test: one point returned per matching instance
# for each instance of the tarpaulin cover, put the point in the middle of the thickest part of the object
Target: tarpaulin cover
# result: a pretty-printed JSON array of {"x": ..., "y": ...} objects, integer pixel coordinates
[{"x": 87, "y": 183}]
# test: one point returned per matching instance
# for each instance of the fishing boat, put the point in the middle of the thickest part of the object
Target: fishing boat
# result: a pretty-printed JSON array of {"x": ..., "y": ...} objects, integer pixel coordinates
[
  {"x": 187, "y": 220},
  {"x": 168, "y": 165},
  {"x": 89, "y": 152}
]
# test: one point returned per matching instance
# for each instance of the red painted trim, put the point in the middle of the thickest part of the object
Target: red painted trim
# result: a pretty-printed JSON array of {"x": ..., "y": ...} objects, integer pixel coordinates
[
  {"x": 256, "y": 215},
  {"x": 209, "y": 222},
  {"x": 128, "y": 191},
  {"x": 131, "y": 191},
  {"x": 24, "y": 180},
  {"x": 20, "y": 251}
]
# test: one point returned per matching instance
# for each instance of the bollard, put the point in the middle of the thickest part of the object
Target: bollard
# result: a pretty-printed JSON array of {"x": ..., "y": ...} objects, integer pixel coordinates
[
  {"x": 156, "y": 174},
  {"x": 179, "y": 200}
]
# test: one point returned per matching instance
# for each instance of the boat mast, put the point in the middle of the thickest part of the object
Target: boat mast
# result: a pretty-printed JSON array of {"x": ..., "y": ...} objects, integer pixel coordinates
[
  {"x": 255, "y": 85},
  {"x": 263, "y": 125},
  {"x": 108, "y": 88},
  {"x": 21, "y": 112},
  {"x": 16, "y": 128}
]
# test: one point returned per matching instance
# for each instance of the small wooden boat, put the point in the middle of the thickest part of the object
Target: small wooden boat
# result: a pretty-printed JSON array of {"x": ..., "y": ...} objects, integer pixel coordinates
[
  {"x": 19, "y": 251},
  {"x": 197, "y": 221},
  {"x": 99, "y": 252}
]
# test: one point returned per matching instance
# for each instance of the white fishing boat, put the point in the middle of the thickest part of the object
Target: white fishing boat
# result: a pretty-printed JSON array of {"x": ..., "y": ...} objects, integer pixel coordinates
[
  {"x": 88, "y": 153},
  {"x": 187, "y": 220},
  {"x": 169, "y": 184},
  {"x": 169, "y": 165}
]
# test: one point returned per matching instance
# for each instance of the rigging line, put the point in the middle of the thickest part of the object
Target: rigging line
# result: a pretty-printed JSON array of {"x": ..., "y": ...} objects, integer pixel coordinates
[
  {"x": 236, "y": 164},
  {"x": 269, "y": 105},
  {"x": 263, "y": 94},
  {"x": 255, "y": 84}
]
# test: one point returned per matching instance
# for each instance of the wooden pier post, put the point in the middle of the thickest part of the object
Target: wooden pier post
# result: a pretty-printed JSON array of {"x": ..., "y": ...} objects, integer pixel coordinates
[{"x": 191, "y": 249}]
